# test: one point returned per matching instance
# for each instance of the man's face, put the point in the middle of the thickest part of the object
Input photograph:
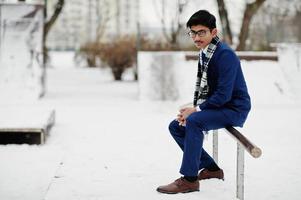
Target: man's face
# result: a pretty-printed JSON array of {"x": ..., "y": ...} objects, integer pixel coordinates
[{"x": 201, "y": 35}]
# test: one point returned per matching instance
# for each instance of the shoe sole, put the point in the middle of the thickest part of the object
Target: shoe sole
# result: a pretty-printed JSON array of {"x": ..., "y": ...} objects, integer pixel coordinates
[
  {"x": 167, "y": 192},
  {"x": 223, "y": 179}
]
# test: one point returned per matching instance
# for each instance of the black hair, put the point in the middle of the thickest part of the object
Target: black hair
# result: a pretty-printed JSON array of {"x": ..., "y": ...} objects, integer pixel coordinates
[{"x": 202, "y": 17}]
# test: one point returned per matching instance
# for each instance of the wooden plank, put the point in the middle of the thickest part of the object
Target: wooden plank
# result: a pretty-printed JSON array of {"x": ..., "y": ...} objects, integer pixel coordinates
[{"x": 249, "y": 146}]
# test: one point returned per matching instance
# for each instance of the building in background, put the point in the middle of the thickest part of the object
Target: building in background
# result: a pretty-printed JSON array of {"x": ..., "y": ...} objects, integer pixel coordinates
[
  {"x": 126, "y": 20},
  {"x": 70, "y": 27},
  {"x": 91, "y": 20}
]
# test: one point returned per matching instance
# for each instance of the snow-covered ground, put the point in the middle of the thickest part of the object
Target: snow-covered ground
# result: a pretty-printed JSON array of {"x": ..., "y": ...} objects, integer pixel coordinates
[{"x": 107, "y": 144}]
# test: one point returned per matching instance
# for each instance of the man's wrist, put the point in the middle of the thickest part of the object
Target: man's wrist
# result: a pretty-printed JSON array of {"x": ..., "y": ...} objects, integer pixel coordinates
[{"x": 197, "y": 108}]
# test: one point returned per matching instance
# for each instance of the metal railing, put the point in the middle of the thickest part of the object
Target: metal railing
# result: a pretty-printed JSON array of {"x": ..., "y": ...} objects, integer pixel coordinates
[{"x": 242, "y": 144}]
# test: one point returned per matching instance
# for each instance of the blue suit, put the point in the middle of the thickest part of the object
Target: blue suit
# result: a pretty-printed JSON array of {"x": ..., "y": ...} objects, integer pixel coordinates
[{"x": 228, "y": 104}]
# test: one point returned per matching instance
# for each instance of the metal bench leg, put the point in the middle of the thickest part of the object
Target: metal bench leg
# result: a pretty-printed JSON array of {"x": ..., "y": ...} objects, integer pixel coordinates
[
  {"x": 215, "y": 146},
  {"x": 240, "y": 172}
]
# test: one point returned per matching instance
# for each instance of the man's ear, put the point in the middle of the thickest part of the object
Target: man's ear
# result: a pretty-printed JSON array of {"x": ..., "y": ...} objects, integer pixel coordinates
[{"x": 214, "y": 32}]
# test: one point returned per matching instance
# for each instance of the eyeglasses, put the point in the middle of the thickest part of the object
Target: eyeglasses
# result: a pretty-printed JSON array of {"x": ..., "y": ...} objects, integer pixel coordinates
[{"x": 200, "y": 33}]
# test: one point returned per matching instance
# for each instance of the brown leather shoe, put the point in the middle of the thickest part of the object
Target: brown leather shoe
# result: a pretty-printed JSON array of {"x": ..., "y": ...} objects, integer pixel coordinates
[
  {"x": 179, "y": 186},
  {"x": 206, "y": 174}
]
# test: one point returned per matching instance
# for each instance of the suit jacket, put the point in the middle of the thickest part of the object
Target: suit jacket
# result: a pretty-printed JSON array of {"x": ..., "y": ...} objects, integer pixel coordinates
[{"x": 227, "y": 87}]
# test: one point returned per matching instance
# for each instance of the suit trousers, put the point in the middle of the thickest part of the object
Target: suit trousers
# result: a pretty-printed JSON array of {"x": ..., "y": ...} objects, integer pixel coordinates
[{"x": 190, "y": 138}]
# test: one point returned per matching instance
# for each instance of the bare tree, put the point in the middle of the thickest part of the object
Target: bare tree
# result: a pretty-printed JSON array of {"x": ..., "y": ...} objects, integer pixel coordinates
[
  {"x": 104, "y": 16},
  {"x": 48, "y": 24},
  {"x": 175, "y": 24},
  {"x": 102, "y": 13},
  {"x": 297, "y": 21},
  {"x": 250, "y": 11},
  {"x": 223, "y": 14},
  {"x": 277, "y": 21}
]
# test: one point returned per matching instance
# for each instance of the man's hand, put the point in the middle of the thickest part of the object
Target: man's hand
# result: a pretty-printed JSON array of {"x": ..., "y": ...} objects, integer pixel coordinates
[
  {"x": 181, "y": 120},
  {"x": 184, "y": 113},
  {"x": 187, "y": 111}
]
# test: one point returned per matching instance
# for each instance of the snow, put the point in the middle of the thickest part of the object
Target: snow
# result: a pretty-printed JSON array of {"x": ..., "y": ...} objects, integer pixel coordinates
[
  {"x": 108, "y": 144},
  {"x": 20, "y": 51},
  {"x": 63, "y": 59},
  {"x": 18, "y": 117},
  {"x": 159, "y": 70},
  {"x": 290, "y": 63}
]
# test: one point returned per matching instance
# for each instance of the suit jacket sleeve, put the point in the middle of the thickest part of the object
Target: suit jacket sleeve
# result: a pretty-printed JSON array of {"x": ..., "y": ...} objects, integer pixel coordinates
[{"x": 226, "y": 65}]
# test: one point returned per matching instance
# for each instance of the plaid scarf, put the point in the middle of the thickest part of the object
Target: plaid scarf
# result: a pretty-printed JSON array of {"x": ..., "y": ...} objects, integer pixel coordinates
[{"x": 201, "y": 86}]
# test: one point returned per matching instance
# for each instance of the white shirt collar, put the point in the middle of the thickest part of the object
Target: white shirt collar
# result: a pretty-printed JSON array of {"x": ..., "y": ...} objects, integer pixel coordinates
[{"x": 205, "y": 49}]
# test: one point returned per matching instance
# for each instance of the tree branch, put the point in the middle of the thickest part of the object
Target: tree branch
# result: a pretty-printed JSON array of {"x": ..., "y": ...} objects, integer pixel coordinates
[
  {"x": 58, "y": 8},
  {"x": 223, "y": 13},
  {"x": 250, "y": 11},
  {"x": 47, "y": 26}
]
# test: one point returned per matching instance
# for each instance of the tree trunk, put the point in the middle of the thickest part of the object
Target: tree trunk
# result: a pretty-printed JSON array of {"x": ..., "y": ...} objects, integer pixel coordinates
[
  {"x": 47, "y": 26},
  {"x": 223, "y": 14},
  {"x": 117, "y": 73},
  {"x": 297, "y": 21},
  {"x": 250, "y": 11}
]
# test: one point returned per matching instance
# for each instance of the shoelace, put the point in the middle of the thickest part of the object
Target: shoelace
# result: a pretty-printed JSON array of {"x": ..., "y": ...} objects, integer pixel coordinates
[{"x": 180, "y": 181}]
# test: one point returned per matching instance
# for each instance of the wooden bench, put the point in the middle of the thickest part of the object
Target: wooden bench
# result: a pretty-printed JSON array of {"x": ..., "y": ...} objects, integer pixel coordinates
[
  {"x": 25, "y": 125},
  {"x": 243, "y": 55}
]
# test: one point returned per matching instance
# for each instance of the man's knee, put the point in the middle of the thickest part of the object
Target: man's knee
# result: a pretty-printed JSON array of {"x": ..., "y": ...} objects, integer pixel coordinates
[
  {"x": 173, "y": 126},
  {"x": 194, "y": 120}
]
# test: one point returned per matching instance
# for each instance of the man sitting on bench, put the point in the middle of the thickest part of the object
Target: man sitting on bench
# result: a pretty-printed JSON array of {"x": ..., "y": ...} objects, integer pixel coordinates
[{"x": 221, "y": 99}]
